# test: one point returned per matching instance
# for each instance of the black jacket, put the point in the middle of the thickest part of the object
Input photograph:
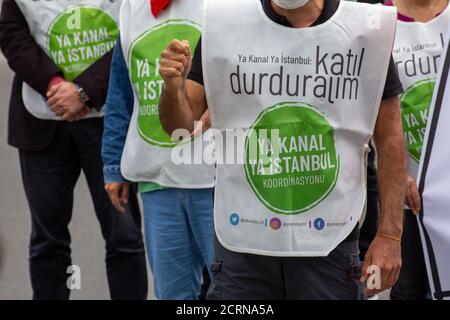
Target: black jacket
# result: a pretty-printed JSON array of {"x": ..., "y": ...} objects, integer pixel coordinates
[{"x": 32, "y": 65}]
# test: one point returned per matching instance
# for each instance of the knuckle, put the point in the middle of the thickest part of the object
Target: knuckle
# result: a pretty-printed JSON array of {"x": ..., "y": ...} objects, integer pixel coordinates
[
  {"x": 384, "y": 269},
  {"x": 174, "y": 44},
  {"x": 165, "y": 53},
  {"x": 179, "y": 66}
]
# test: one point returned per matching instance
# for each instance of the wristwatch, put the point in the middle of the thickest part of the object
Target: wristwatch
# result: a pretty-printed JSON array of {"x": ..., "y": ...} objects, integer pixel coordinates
[{"x": 83, "y": 95}]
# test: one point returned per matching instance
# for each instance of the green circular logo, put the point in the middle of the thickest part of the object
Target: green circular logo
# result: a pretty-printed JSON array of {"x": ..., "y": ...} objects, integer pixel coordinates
[
  {"x": 291, "y": 161},
  {"x": 416, "y": 103},
  {"x": 144, "y": 57},
  {"x": 80, "y": 36}
]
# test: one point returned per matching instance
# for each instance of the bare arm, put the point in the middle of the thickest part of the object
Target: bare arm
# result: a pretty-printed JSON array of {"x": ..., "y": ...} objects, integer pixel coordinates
[
  {"x": 385, "y": 250},
  {"x": 182, "y": 101},
  {"x": 392, "y": 164}
]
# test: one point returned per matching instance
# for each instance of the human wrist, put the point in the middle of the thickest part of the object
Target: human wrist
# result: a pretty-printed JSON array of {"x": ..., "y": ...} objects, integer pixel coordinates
[
  {"x": 393, "y": 230},
  {"x": 174, "y": 85},
  {"x": 82, "y": 95},
  {"x": 57, "y": 78},
  {"x": 389, "y": 236},
  {"x": 112, "y": 173}
]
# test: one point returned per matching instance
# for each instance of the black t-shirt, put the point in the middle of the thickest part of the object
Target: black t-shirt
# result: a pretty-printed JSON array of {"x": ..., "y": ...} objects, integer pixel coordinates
[{"x": 392, "y": 88}]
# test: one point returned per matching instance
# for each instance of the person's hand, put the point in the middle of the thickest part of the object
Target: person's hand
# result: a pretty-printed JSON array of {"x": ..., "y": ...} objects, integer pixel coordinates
[
  {"x": 64, "y": 101},
  {"x": 384, "y": 255},
  {"x": 412, "y": 195},
  {"x": 82, "y": 114},
  {"x": 203, "y": 124},
  {"x": 175, "y": 64},
  {"x": 118, "y": 193}
]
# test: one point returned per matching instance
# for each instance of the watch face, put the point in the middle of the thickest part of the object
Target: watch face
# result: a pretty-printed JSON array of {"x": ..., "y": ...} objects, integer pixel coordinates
[{"x": 82, "y": 94}]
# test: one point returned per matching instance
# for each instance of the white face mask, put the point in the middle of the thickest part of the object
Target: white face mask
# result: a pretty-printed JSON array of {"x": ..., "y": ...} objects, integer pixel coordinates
[{"x": 290, "y": 4}]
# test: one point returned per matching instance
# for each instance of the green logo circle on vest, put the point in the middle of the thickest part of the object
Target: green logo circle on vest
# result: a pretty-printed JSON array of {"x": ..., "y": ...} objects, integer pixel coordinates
[
  {"x": 416, "y": 103},
  {"x": 80, "y": 36},
  {"x": 291, "y": 161},
  {"x": 144, "y": 60}
]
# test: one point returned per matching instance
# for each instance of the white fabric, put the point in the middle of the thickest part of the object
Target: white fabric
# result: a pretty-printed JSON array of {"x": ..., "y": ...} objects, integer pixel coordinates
[
  {"x": 417, "y": 53},
  {"x": 146, "y": 158},
  {"x": 290, "y": 4},
  {"x": 434, "y": 177},
  {"x": 294, "y": 219},
  {"x": 42, "y": 17}
]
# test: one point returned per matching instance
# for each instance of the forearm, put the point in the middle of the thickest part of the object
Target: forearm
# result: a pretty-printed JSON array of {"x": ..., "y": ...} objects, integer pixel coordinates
[
  {"x": 174, "y": 110},
  {"x": 392, "y": 170}
]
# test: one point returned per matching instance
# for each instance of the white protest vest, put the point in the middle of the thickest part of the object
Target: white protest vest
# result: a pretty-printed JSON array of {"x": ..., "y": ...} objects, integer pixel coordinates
[
  {"x": 417, "y": 54},
  {"x": 150, "y": 154},
  {"x": 74, "y": 34},
  {"x": 306, "y": 101},
  {"x": 433, "y": 180}
]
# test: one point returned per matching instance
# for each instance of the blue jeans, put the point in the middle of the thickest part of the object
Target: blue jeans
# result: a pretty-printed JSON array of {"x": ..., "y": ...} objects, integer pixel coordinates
[{"x": 179, "y": 234}]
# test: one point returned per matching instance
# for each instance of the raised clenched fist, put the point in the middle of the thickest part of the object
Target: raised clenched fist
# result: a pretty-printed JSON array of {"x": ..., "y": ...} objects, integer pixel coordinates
[{"x": 175, "y": 64}]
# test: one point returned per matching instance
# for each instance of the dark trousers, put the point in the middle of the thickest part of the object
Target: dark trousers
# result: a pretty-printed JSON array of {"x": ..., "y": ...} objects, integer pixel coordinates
[
  {"x": 206, "y": 282},
  {"x": 240, "y": 276},
  {"x": 49, "y": 177},
  {"x": 369, "y": 228},
  {"x": 412, "y": 283}
]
